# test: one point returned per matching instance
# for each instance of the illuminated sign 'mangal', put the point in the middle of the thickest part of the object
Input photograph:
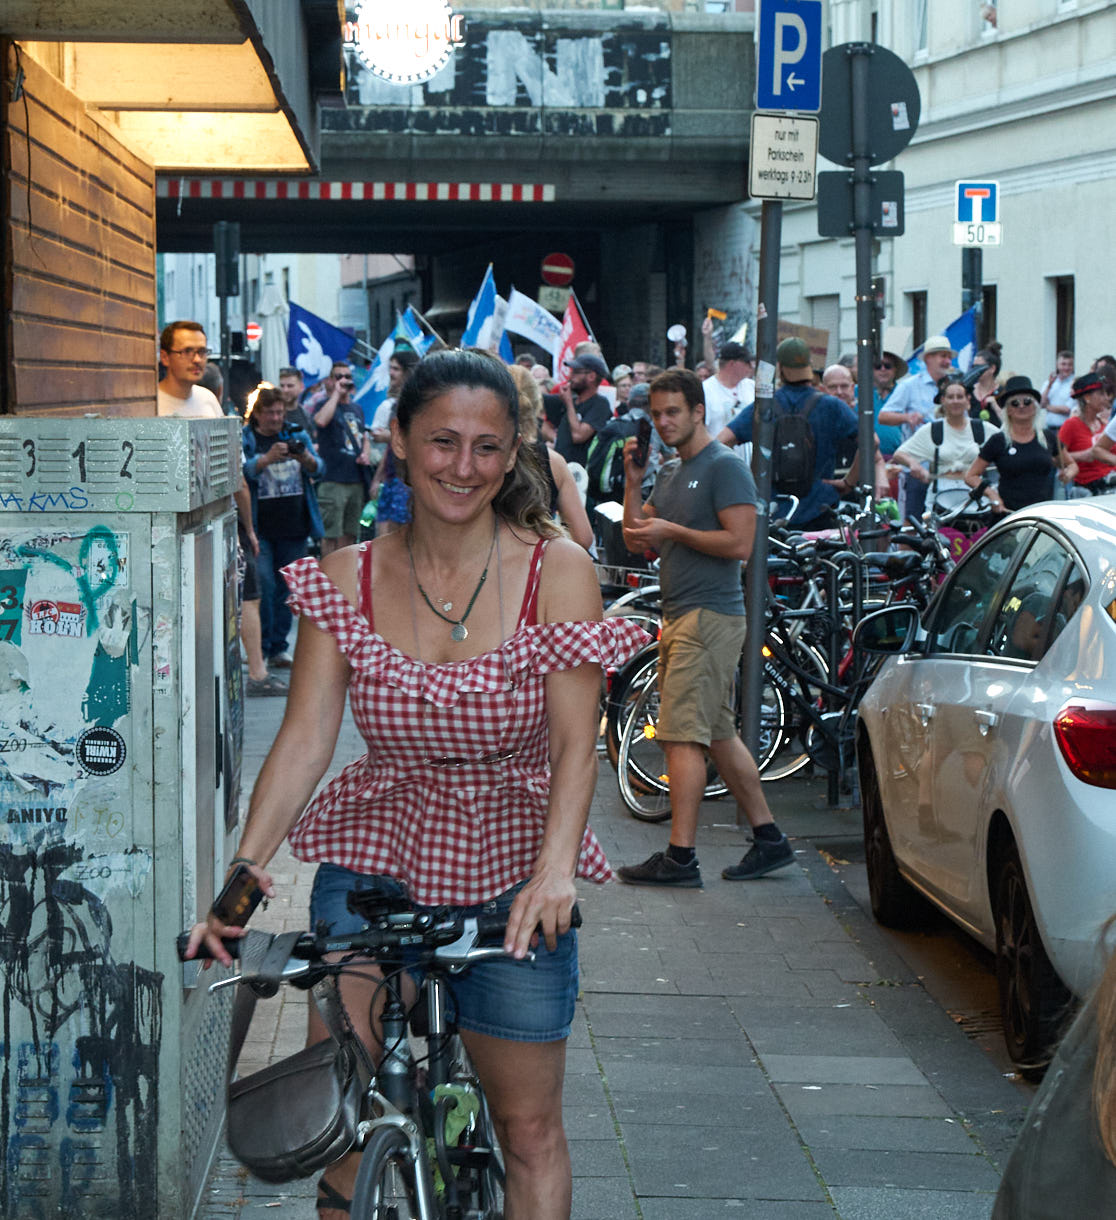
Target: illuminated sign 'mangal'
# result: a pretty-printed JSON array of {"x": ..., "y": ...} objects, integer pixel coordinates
[{"x": 405, "y": 49}]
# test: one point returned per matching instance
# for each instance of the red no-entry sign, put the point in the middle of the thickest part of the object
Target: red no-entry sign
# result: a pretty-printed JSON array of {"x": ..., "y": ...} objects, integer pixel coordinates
[
  {"x": 253, "y": 332},
  {"x": 558, "y": 270}
]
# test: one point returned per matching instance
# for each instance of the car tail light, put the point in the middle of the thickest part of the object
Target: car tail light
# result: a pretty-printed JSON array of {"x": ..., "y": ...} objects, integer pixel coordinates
[{"x": 1086, "y": 733}]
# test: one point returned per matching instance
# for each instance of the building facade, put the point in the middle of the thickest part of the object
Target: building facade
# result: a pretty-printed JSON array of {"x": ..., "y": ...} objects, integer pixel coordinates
[{"x": 1022, "y": 92}]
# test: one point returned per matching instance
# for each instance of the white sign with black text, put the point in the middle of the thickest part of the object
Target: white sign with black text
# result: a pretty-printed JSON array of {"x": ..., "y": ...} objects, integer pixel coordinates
[{"x": 783, "y": 158}]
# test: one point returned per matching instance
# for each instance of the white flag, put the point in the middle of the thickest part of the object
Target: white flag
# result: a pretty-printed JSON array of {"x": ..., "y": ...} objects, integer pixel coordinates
[{"x": 528, "y": 318}]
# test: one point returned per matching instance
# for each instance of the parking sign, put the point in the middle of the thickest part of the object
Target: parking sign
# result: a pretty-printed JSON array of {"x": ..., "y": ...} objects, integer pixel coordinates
[{"x": 788, "y": 55}]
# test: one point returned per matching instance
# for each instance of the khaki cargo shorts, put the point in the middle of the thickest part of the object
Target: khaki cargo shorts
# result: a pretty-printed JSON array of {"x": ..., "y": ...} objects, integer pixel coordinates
[{"x": 698, "y": 654}]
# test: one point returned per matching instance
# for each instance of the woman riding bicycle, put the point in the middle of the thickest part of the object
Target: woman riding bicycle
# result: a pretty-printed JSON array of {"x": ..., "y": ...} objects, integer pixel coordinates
[
  {"x": 940, "y": 452},
  {"x": 470, "y": 644}
]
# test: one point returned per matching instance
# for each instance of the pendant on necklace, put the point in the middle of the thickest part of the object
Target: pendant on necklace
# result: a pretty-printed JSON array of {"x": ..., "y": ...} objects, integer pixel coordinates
[
  {"x": 447, "y": 606},
  {"x": 1012, "y": 451},
  {"x": 460, "y": 632}
]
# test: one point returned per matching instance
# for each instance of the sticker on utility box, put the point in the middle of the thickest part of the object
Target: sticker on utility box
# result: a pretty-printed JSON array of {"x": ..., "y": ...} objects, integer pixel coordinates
[
  {"x": 46, "y": 617},
  {"x": 100, "y": 751}
]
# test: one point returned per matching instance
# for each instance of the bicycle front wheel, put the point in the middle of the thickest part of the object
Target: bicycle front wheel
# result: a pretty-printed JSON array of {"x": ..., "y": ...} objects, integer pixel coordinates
[{"x": 385, "y": 1185}]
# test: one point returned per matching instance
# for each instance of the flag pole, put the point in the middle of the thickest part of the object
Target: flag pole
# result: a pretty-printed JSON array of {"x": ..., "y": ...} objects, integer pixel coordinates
[
  {"x": 429, "y": 327},
  {"x": 584, "y": 319}
]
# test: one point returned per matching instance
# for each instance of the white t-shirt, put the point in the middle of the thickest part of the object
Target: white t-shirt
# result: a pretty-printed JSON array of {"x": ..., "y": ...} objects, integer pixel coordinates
[
  {"x": 722, "y": 402},
  {"x": 1059, "y": 395},
  {"x": 200, "y": 403},
  {"x": 382, "y": 417},
  {"x": 958, "y": 450}
]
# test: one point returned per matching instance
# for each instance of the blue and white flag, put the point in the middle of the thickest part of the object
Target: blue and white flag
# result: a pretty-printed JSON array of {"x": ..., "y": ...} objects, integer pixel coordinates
[
  {"x": 313, "y": 344},
  {"x": 375, "y": 388},
  {"x": 480, "y": 311},
  {"x": 961, "y": 333},
  {"x": 528, "y": 318},
  {"x": 408, "y": 329},
  {"x": 485, "y": 324}
]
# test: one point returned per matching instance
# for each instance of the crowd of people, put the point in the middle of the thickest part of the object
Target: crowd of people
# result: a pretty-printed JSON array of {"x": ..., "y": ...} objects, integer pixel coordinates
[{"x": 469, "y": 640}]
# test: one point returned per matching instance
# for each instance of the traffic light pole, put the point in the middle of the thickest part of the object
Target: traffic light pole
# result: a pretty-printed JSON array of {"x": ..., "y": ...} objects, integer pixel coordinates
[{"x": 763, "y": 429}]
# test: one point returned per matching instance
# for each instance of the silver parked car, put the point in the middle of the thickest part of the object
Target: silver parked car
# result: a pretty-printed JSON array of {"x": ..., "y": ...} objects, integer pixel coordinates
[{"x": 987, "y": 756}]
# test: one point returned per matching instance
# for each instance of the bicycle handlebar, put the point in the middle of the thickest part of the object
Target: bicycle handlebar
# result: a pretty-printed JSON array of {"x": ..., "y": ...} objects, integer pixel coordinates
[{"x": 454, "y": 941}]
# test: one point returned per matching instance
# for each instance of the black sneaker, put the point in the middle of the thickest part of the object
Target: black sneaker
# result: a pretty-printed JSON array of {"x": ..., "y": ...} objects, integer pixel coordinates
[
  {"x": 660, "y": 869},
  {"x": 762, "y": 858}
]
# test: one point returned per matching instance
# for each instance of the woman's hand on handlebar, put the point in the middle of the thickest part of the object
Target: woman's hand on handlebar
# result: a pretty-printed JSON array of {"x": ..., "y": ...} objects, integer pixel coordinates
[
  {"x": 212, "y": 929},
  {"x": 545, "y": 903}
]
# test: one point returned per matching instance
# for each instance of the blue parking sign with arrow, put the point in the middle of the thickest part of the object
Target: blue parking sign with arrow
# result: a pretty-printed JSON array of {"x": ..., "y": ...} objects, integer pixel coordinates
[{"x": 789, "y": 55}]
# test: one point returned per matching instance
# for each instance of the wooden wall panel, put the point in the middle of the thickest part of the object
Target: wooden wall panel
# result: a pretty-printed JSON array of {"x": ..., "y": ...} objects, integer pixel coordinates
[{"x": 80, "y": 317}]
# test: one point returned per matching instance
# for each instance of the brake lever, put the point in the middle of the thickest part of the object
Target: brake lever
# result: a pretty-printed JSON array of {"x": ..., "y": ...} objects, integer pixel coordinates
[{"x": 295, "y": 968}]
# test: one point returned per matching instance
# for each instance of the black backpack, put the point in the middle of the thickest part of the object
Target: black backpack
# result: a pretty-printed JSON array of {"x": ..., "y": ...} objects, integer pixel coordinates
[
  {"x": 793, "y": 449},
  {"x": 604, "y": 463},
  {"x": 937, "y": 435}
]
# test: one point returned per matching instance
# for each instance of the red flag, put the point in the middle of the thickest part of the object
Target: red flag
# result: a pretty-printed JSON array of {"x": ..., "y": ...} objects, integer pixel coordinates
[{"x": 574, "y": 331}]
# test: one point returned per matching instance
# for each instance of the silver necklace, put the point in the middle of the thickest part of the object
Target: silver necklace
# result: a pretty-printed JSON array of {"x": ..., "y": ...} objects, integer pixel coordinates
[{"x": 460, "y": 632}]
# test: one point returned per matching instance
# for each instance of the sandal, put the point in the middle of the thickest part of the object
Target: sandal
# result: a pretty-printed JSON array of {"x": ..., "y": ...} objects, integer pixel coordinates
[
  {"x": 330, "y": 1200},
  {"x": 266, "y": 686}
]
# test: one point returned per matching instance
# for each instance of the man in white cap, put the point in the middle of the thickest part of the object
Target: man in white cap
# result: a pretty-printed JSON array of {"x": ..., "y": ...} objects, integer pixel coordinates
[{"x": 914, "y": 397}]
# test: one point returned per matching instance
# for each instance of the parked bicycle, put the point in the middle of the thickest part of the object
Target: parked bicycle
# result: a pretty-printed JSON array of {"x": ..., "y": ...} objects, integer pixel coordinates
[{"x": 428, "y": 1149}]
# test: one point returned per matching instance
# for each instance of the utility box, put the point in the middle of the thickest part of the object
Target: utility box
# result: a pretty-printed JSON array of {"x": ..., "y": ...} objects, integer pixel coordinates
[{"x": 121, "y": 710}]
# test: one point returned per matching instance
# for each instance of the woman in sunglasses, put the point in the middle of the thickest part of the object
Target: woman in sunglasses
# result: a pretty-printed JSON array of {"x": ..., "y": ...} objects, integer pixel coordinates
[{"x": 1019, "y": 453}]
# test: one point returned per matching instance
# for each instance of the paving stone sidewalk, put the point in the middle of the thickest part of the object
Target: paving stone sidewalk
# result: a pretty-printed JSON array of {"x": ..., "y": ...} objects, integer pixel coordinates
[{"x": 746, "y": 1049}]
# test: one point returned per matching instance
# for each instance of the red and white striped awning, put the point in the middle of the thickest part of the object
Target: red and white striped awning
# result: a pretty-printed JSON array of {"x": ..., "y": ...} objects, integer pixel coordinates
[{"x": 304, "y": 188}]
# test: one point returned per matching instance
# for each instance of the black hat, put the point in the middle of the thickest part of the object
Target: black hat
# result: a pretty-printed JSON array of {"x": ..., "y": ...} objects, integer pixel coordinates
[
  {"x": 1086, "y": 382},
  {"x": 1017, "y": 385},
  {"x": 587, "y": 360}
]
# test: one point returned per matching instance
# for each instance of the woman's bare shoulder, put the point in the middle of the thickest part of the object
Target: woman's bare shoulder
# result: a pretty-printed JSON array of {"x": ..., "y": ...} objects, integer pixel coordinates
[
  {"x": 341, "y": 568},
  {"x": 568, "y": 590}
]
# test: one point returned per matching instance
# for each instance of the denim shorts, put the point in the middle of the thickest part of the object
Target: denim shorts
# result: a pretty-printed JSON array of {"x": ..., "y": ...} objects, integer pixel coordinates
[{"x": 519, "y": 1000}]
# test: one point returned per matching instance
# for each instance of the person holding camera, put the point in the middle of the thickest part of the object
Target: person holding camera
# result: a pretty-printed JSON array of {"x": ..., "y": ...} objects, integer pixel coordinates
[
  {"x": 279, "y": 465},
  {"x": 347, "y": 452}
]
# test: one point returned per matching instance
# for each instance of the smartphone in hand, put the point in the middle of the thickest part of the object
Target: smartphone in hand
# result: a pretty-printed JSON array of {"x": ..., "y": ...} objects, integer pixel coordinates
[
  {"x": 234, "y": 905},
  {"x": 643, "y": 443}
]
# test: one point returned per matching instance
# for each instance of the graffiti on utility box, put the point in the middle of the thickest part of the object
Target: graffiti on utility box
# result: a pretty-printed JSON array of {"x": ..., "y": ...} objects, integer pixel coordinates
[{"x": 80, "y": 1019}]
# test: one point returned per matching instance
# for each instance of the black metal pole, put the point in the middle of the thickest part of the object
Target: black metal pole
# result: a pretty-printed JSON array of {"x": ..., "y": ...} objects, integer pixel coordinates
[
  {"x": 763, "y": 427},
  {"x": 862, "y": 234},
  {"x": 972, "y": 284}
]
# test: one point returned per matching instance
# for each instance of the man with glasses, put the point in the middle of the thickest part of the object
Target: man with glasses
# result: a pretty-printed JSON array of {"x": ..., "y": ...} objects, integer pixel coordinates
[
  {"x": 183, "y": 354},
  {"x": 889, "y": 371}
]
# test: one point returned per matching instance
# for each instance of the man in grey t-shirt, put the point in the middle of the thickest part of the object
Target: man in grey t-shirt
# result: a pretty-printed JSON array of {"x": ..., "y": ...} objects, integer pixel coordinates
[{"x": 701, "y": 517}]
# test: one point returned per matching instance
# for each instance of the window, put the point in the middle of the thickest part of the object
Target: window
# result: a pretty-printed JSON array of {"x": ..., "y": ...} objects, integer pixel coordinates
[
  {"x": 989, "y": 17},
  {"x": 1063, "y": 313},
  {"x": 916, "y": 317},
  {"x": 1020, "y": 628},
  {"x": 919, "y": 22},
  {"x": 959, "y": 616},
  {"x": 825, "y": 314}
]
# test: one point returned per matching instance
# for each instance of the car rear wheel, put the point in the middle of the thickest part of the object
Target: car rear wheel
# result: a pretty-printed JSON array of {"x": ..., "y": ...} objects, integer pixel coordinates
[
  {"x": 1034, "y": 1002},
  {"x": 895, "y": 902}
]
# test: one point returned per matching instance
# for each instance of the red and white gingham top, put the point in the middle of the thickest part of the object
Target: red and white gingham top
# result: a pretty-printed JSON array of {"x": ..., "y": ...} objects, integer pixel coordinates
[{"x": 451, "y": 797}]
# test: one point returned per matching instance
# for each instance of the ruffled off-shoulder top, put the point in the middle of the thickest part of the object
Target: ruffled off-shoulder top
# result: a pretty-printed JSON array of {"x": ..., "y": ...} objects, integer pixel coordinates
[{"x": 451, "y": 797}]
